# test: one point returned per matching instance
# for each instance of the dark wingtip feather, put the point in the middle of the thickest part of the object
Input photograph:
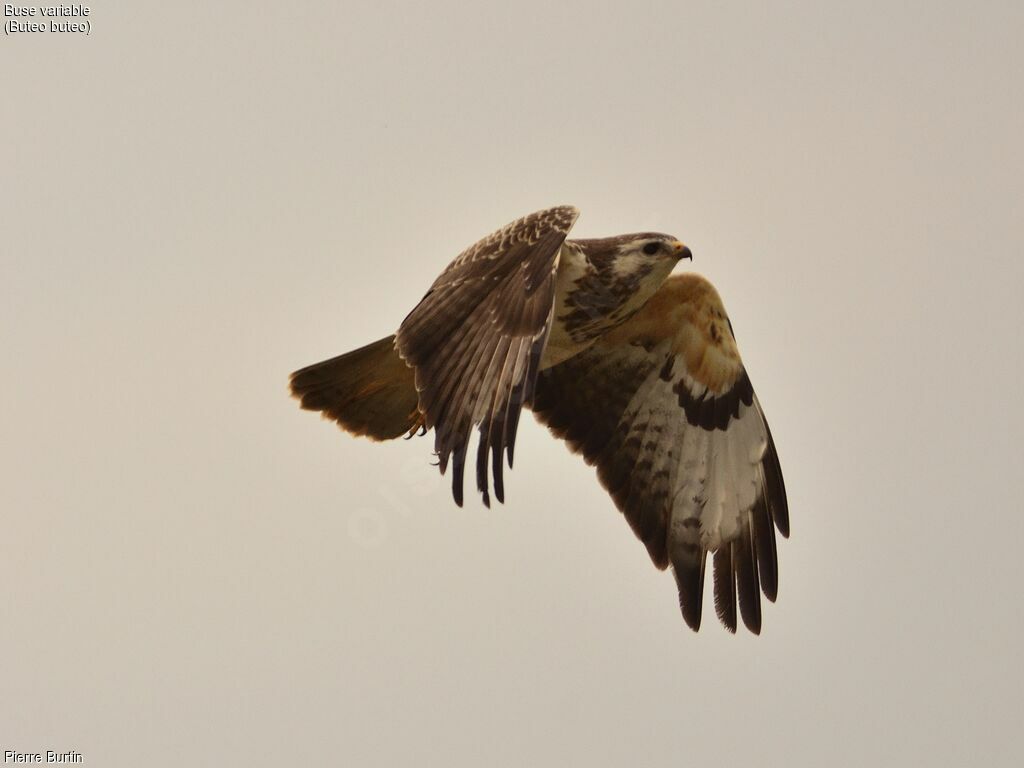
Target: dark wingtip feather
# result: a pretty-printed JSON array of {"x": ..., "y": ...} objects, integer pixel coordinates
[
  {"x": 513, "y": 411},
  {"x": 775, "y": 486},
  {"x": 764, "y": 544},
  {"x": 690, "y": 581},
  {"x": 458, "y": 466},
  {"x": 481, "y": 467},
  {"x": 725, "y": 588},
  {"x": 499, "y": 479},
  {"x": 748, "y": 591}
]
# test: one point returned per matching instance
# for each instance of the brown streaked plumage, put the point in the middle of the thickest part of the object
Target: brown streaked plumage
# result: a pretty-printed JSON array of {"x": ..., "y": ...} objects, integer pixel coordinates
[
  {"x": 639, "y": 374},
  {"x": 475, "y": 341},
  {"x": 689, "y": 311},
  {"x": 652, "y": 404}
]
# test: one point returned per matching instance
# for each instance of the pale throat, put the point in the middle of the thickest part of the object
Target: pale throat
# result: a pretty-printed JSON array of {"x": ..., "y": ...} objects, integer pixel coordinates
[{"x": 591, "y": 301}]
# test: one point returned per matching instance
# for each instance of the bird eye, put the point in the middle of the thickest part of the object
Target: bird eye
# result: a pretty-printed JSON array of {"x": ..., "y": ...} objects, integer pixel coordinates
[{"x": 651, "y": 248}]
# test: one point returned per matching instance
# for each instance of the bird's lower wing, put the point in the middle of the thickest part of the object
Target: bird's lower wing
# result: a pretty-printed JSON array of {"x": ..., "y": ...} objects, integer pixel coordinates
[
  {"x": 476, "y": 339},
  {"x": 664, "y": 408}
]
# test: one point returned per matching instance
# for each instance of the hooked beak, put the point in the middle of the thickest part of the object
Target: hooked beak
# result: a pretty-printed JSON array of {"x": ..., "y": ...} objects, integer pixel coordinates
[{"x": 681, "y": 251}]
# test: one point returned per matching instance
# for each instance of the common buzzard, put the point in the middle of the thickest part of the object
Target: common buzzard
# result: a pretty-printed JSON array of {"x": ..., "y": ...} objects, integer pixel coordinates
[{"x": 637, "y": 371}]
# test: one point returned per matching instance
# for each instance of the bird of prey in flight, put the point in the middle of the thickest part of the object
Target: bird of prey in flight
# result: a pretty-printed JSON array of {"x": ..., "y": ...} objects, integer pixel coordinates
[{"x": 637, "y": 371}]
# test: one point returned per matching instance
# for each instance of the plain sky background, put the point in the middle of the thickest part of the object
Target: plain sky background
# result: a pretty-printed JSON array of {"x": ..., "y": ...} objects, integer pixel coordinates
[{"x": 199, "y": 198}]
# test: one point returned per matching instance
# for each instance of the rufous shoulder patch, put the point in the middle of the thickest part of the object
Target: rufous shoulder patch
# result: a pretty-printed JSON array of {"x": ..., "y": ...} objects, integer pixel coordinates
[{"x": 687, "y": 310}]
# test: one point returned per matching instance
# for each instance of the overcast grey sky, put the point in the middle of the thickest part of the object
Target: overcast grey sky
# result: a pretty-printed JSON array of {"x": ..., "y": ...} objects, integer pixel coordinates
[{"x": 198, "y": 198}]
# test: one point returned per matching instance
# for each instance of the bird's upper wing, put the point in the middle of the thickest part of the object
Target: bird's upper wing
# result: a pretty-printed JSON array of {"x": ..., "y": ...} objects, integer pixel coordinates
[
  {"x": 663, "y": 406},
  {"x": 476, "y": 340}
]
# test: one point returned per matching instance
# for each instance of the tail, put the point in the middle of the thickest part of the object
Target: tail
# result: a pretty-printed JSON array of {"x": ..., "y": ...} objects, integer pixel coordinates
[{"x": 370, "y": 391}]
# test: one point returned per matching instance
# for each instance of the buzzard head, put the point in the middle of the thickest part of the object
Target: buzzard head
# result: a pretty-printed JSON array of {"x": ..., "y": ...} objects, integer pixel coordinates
[
  {"x": 654, "y": 245},
  {"x": 631, "y": 258}
]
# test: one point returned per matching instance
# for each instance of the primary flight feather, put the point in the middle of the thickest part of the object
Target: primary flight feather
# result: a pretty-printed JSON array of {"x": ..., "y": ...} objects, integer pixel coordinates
[{"x": 637, "y": 371}]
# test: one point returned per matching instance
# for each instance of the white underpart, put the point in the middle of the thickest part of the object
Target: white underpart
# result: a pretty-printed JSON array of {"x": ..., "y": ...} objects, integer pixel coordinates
[
  {"x": 721, "y": 478},
  {"x": 688, "y": 502},
  {"x": 572, "y": 266},
  {"x": 628, "y": 263}
]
